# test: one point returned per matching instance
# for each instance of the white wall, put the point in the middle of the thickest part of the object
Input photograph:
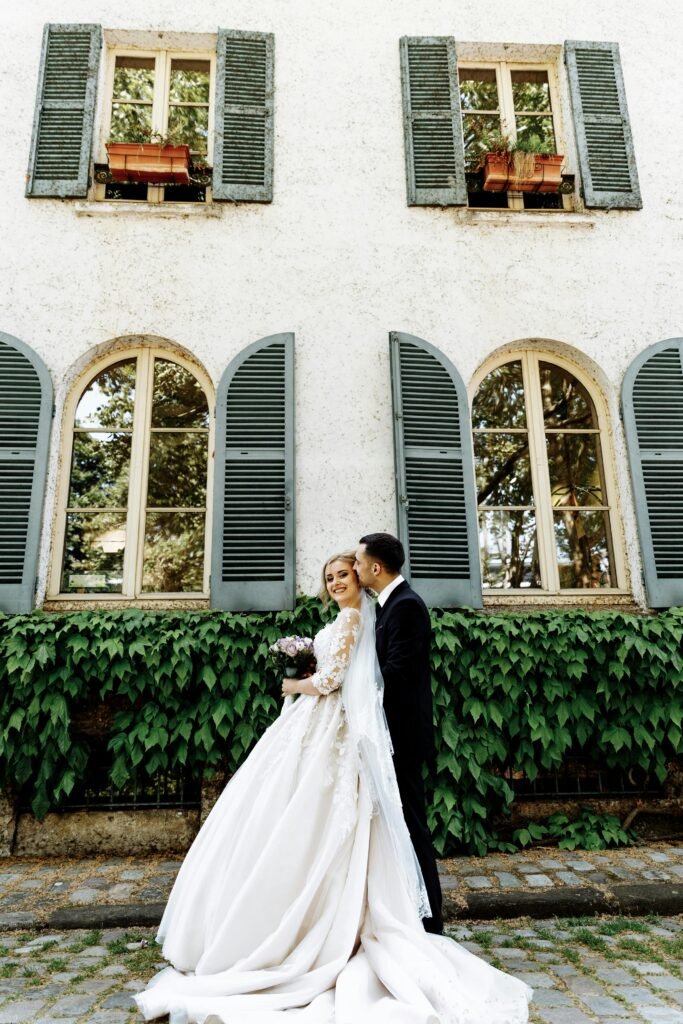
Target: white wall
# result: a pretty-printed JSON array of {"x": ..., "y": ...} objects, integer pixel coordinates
[{"x": 338, "y": 257}]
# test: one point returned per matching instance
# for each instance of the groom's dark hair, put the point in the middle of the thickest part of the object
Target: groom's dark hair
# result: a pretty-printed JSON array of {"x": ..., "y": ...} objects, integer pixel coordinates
[{"x": 385, "y": 548}]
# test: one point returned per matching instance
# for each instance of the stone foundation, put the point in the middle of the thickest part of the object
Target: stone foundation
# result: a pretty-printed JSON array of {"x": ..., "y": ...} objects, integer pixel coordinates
[{"x": 113, "y": 833}]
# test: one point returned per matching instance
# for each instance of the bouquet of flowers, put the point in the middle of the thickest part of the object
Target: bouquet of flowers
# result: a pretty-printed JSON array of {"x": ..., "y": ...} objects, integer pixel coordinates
[{"x": 292, "y": 654}]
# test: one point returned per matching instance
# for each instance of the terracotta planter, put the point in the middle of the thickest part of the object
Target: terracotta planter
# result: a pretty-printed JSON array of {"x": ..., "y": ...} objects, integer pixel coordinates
[
  {"x": 499, "y": 174},
  {"x": 148, "y": 162}
]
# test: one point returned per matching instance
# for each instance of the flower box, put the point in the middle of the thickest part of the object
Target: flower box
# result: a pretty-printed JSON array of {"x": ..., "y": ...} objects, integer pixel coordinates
[
  {"x": 149, "y": 162},
  {"x": 500, "y": 174}
]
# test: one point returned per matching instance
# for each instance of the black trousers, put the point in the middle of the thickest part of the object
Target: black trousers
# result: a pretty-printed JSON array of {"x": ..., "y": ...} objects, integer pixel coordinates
[{"x": 411, "y": 789}]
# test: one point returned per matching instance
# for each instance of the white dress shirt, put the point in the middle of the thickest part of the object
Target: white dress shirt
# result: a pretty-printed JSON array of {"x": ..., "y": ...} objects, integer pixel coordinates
[{"x": 390, "y": 587}]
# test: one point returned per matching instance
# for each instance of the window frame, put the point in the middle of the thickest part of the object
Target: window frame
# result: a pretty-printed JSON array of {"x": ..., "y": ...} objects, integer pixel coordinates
[
  {"x": 530, "y": 359},
  {"x": 503, "y": 69},
  {"x": 137, "y": 489},
  {"x": 160, "y": 103}
]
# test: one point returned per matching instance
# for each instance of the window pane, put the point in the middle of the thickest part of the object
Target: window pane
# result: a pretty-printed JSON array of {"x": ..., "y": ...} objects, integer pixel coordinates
[
  {"x": 174, "y": 552},
  {"x": 109, "y": 400},
  {"x": 130, "y": 123},
  {"x": 542, "y": 201},
  {"x": 178, "y": 399},
  {"x": 509, "y": 555},
  {"x": 502, "y": 469},
  {"x": 133, "y": 192},
  {"x": 100, "y": 467},
  {"x": 93, "y": 553},
  {"x": 575, "y": 477},
  {"x": 477, "y": 131},
  {"x": 499, "y": 401},
  {"x": 184, "y": 194},
  {"x": 530, "y": 90},
  {"x": 478, "y": 89},
  {"x": 566, "y": 403},
  {"x": 582, "y": 543},
  {"x": 539, "y": 130},
  {"x": 177, "y": 470},
  {"x": 191, "y": 124},
  {"x": 189, "y": 81},
  {"x": 134, "y": 78}
]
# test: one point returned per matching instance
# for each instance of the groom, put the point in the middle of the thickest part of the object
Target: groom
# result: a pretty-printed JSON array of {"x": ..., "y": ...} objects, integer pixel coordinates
[{"x": 403, "y": 634}]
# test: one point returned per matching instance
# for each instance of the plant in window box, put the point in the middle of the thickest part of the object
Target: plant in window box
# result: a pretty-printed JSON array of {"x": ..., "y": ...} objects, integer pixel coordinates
[
  {"x": 525, "y": 165},
  {"x": 153, "y": 159}
]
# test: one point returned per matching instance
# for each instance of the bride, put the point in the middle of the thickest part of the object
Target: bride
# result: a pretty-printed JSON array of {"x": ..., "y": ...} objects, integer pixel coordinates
[{"x": 301, "y": 894}]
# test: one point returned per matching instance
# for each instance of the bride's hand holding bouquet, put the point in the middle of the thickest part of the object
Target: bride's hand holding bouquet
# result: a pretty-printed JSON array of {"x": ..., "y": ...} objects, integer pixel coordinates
[{"x": 294, "y": 656}]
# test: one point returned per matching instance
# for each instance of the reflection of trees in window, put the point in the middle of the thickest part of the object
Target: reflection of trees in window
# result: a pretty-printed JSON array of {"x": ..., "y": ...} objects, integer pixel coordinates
[
  {"x": 111, "y": 515},
  {"x": 506, "y": 102},
  {"x": 543, "y": 513},
  {"x": 185, "y": 100}
]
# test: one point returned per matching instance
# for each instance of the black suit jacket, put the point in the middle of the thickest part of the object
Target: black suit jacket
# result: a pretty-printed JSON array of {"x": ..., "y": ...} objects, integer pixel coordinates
[{"x": 403, "y": 635}]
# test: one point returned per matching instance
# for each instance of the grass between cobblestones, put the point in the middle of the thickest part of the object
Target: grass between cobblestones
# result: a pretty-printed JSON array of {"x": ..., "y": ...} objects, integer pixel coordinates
[{"x": 583, "y": 970}]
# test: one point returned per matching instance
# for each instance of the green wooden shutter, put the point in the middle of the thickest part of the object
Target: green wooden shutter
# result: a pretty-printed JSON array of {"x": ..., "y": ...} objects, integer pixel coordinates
[
  {"x": 59, "y": 163},
  {"x": 25, "y": 420},
  {"x": 603, "y": 131},
  {"x": 243, "y": 141},
  {"x": 253, "y": 552},
  {"x": 652, "y": 403},
  {"x": 436, "y": 499},
  {"x": 435, "y": 156}
]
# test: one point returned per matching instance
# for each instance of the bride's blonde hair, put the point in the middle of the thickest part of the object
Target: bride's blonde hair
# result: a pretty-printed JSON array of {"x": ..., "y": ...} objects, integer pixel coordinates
[{"x": 346, "y": 556}]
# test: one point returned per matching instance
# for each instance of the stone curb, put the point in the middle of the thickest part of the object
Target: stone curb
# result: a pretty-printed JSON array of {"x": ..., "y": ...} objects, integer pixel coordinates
[
  {"x": 112, "y": 915},
  {"x": 627, "y": 899}
]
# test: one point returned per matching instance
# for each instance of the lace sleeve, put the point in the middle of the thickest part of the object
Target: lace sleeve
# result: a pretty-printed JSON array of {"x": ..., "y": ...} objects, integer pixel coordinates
[{"x": 331, "y": 674}]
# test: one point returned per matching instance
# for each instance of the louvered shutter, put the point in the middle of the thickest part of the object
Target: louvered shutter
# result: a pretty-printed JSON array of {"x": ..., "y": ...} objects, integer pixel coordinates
[
  {"x": 59, "y": 163},
  {"x": 437, "y": 505},
  {"x": 253, "y": 554},
  {"x": 243, "y": 141},
  {"x": 435, "y": 156},
  {"x": 652, "y": 402},
  {"x": 25, "y": 419},
  {"x": 603, "y": 131}
]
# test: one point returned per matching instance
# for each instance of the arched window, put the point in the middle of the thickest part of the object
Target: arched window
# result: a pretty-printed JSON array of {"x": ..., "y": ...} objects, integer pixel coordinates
[
  {"x": 134, "y": 508},
  {"x": 543, "y": 493}
]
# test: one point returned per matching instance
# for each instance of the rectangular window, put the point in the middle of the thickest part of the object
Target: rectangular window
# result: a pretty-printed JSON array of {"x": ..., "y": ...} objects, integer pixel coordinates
[
  {"x": 160, "y": 97},
  {"x": 503, "y": 102}
]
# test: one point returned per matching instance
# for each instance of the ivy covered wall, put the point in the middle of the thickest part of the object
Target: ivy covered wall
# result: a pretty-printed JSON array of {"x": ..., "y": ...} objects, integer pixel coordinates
[{"x": 196, "y": 690}]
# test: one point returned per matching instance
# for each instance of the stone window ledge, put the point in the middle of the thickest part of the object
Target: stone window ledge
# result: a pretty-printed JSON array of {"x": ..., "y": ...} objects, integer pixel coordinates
[
  {"x": 622, "y": 600},
  {"x": 90, "y": 604},
  {"x": 103, "y": 208},
  {"x": 541, "y": 218}
]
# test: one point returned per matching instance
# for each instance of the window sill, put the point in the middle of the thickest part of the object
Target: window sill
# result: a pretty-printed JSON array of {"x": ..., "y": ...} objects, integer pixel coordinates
[
  {"x": 91, "y": 602},
  {"x": 539, "y": 218},
  {"x": 577, "y": 599},
  {"x": 105, "y": 208}
]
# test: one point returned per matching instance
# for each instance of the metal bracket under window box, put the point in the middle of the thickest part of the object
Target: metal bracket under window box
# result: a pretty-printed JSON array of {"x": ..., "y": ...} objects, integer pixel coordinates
[
  {"x": 201, "y": 177},
  {"x": 475, "y": 183}
]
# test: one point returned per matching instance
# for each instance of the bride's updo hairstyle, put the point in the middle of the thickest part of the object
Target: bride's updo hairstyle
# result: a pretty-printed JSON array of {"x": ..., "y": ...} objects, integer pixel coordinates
[{"x": 346, "y": 556}]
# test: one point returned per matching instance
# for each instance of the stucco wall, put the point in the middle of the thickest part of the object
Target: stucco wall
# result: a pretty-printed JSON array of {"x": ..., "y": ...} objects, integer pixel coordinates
[{"x": 338, "y": 257}]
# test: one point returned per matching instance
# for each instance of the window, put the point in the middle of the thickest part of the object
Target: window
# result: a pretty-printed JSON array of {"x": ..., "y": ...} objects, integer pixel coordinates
[
  {"x": 160, "y": 95},
  {"x": 135, "y": 502},
  {"x": 518, "y": 102},
  {"x": 544, "y": 492},
  {"x": 150, "y": 87},
  {"x": 455, "y": 94}
]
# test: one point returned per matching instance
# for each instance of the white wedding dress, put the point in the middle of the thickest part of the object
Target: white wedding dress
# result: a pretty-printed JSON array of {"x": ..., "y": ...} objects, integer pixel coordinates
[{"x": 291, "y": 901}]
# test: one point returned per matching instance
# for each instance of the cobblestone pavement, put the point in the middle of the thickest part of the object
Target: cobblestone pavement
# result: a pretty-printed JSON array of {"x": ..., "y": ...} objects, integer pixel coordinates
[
  {"x": 544, "y": 868},
  {"x": 33, "y": 891},
  {"x": 603, "y": 970}
]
